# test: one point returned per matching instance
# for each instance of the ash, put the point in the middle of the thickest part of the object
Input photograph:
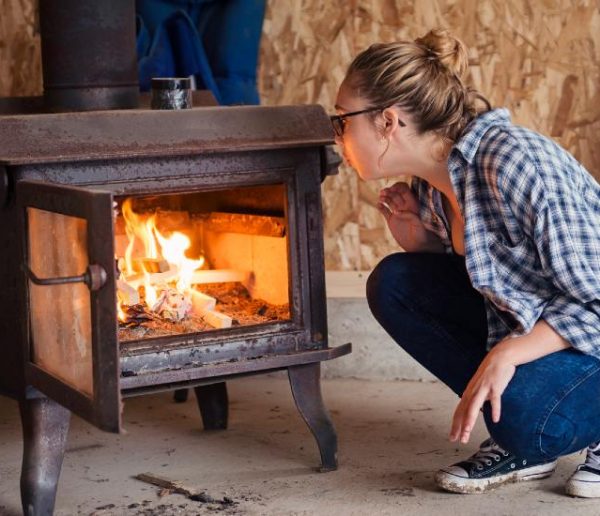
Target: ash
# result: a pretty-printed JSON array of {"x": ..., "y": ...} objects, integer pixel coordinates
[{"x": 233, "y": 299}]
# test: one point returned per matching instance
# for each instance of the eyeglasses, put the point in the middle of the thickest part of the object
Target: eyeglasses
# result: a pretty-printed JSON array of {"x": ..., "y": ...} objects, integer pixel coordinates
[{"x": 339, "y": 121}]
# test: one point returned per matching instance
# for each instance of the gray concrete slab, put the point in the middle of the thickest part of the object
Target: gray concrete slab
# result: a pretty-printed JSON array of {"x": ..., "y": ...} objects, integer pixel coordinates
[
  {"x": 375, "y": 355},
  {"x": 392, "y": 438}
]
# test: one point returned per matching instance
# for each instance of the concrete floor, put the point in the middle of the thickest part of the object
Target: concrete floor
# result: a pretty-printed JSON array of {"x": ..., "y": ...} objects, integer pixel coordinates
[{"x": 392, "y": 437}]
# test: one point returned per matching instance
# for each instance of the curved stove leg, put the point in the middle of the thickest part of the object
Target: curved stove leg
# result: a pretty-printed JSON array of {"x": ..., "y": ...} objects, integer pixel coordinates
[
  {"x": 305, "y": 381},
  {"x": 45, "y": 428}
]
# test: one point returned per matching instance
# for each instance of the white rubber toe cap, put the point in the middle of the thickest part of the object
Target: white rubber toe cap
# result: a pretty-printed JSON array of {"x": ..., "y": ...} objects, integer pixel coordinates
[{"x": 456, "y": 471}]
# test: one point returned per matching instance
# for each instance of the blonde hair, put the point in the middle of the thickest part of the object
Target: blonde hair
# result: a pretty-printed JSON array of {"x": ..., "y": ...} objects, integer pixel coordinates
[{"x": 424, "y": 77}]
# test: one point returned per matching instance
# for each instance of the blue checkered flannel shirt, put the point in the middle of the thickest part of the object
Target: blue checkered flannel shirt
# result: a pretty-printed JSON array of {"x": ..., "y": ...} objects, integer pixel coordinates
[{"x": 532, "y": 230}]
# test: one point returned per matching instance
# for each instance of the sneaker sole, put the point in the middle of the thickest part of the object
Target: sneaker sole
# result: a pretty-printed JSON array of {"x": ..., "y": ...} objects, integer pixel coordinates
[
  {"x": 583, "y": 489},
  {"x": 456, "y": 484}
]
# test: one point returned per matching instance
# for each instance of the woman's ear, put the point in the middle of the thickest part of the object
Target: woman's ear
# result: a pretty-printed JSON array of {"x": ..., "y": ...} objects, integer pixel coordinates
[{"x": 390, "y": 122}]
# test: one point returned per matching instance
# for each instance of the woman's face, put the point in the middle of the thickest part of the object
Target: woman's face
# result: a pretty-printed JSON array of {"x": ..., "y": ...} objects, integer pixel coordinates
[{"x": 362, "y": 143}]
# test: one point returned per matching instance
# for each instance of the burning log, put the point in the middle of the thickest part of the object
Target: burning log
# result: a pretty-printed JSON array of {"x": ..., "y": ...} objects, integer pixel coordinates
[
  {"x": 202, "y": 303},
  {"x": 246, "y": 224},
  {"x": 155, "y": 278},
  {"x": 217, "y": 319},
  {"x": 198, "y": 277},
  {"x": 221, "y": 276},
  {"x": 127, "y": 294},
  {"x": 151, "y": 265},
  {"x": 204, "y": 306}
]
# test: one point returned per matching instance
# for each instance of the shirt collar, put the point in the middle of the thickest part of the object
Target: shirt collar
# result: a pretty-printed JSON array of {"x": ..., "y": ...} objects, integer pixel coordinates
[{"x": 469, "y": 142}]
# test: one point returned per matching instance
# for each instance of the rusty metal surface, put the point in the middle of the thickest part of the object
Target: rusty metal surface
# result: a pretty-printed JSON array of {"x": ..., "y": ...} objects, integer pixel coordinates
[
  {"x": 69, "y": 137},
  {"x": 88, "y": 54},
  {"x": 94, "y": 277},
  {"x": 166, "y": 175},
  {"x": 260, "y": 364},
  {"x": 45, "y": 428},
  {"x": 197, "y": 350},
  {"x": 305, "y": 381},
  {"x": 35, "y": 105},
  {"x": 206, "y": 150},
  {"x": 331, "y": 161}
]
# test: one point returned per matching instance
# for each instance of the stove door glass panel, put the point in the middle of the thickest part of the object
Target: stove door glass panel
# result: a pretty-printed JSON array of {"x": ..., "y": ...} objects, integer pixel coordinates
[{"x": 61, "y": 334}]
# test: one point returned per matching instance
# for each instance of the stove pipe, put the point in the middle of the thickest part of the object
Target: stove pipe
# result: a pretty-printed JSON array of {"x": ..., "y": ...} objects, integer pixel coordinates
[{"x": 88, "y": 54}]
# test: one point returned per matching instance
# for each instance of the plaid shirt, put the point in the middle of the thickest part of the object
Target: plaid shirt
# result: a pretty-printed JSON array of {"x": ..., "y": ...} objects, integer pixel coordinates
[{"x": 532, "y": 230}]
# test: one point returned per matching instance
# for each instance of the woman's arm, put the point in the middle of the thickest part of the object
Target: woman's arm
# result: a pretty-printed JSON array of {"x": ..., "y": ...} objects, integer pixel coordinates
[
  {"x": 495, "y": 372},
  {"x": 540, "y": 341}
]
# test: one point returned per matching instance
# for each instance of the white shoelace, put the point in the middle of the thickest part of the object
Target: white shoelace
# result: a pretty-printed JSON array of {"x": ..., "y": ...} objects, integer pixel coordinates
[
  {"x": 592, "y": 459},
  {"x": 488, "y": 452}
]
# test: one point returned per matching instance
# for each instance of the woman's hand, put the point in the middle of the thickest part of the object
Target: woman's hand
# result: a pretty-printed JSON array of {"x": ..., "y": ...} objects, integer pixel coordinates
[
  {"x": 400, "y": 208},
  {"x": 489, "y": 382}
]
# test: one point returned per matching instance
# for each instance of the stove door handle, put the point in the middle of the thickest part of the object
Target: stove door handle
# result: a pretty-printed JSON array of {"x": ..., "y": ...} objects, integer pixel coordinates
[{"x": 94, "y": 277}]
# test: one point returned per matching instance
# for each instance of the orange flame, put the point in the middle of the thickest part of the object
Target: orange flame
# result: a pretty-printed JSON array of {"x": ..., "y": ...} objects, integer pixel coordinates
[{"x": 172, "y": 249}]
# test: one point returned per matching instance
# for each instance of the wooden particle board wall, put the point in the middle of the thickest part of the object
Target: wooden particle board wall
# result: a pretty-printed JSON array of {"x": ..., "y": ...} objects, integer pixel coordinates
[
  {"x": 539, "y": 58},
  {"x": 20, "y": 56}
]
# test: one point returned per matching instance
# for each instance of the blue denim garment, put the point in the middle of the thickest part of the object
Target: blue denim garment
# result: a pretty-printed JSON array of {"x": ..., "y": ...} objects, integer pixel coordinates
[{"x": 426, "y": 302}]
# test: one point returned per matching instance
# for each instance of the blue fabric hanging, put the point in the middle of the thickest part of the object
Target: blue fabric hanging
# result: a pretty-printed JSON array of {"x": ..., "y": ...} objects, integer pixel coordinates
[{"x": 217, "y": 41}]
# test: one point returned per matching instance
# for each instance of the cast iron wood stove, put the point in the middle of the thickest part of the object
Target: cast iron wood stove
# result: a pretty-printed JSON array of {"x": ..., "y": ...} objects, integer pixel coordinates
[
  {"x": 243, "y": 183},
  {"x": 99, "y": 298}
]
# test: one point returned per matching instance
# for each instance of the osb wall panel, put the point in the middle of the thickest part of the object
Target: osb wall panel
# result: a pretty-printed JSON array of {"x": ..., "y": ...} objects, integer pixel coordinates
[
  {"x": 20, "y": 57},
  {"x": 540, "y": 58}
]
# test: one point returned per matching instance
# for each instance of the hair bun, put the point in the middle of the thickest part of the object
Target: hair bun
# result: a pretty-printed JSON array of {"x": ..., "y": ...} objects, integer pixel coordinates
[{"x": 450, "y": 51}]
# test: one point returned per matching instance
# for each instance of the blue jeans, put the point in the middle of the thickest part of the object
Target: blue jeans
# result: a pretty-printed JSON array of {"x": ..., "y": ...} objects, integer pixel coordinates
[{"x": 427, "y": 304}]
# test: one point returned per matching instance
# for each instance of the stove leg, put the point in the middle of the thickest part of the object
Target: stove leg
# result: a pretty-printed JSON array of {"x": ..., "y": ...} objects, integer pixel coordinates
[
  {"x": 180, "y": 395},
  {"x": 214, "y": 405},
  {"x": 45, "y": 428},
  {"x": 306, "y": 389}
]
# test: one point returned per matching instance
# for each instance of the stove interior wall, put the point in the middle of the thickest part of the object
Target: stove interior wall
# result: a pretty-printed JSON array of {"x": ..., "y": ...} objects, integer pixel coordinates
[{"x": 264, "y": 256}]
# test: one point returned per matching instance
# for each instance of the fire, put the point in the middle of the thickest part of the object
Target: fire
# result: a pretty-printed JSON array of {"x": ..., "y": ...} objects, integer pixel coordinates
[{"x": 171, "y": 296}]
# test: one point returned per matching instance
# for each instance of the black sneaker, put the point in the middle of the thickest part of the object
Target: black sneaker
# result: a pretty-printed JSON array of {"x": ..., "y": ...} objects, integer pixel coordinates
[
  {"x": 488, "y": 468},
  {"x": 585, "y": 482}
]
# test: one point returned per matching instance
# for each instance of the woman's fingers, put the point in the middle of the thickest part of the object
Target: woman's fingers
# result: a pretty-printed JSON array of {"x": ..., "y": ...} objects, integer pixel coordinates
[
  {"x": 409, "y": 199},
  {"x": 385, "y": 210},
  {"x": 467, "y": 411},
  {"x": 400, "y": 197},
  {"x": 470, "y": 414},
  {"x": 394, "y": 201},
  {"x": 496, "y": 408},
  {"x": 456, "y": 422}
]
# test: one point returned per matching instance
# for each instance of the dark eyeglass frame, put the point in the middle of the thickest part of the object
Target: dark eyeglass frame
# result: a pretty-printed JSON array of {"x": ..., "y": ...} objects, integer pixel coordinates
[{"x": 339, "y": 121}]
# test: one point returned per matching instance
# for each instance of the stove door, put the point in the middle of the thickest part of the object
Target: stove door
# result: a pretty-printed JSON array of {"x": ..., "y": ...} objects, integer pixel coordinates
[{"x": 71, "y": 351}]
